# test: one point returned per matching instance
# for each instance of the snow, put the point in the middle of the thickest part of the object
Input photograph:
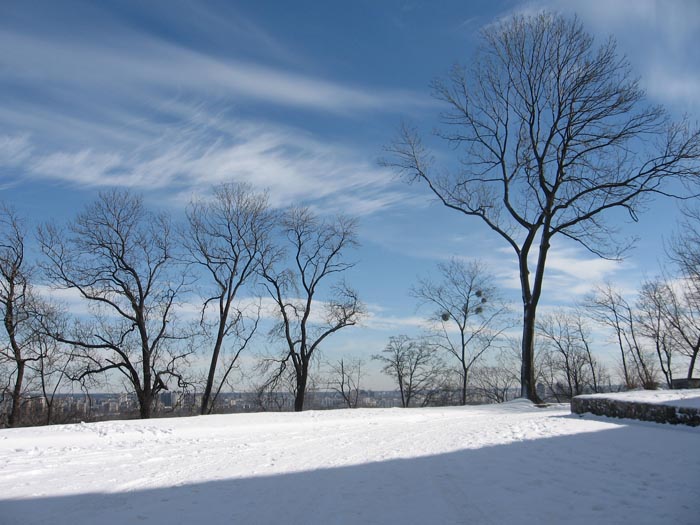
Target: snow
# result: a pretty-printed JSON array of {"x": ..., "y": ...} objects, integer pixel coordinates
[
  {"x": 678, "y": 398},
  {"x": 511, "y": 463}
]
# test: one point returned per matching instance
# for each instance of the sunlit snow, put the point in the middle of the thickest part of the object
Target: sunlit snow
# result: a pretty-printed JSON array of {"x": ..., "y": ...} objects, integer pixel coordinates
[{"x": 511, "y": 463}]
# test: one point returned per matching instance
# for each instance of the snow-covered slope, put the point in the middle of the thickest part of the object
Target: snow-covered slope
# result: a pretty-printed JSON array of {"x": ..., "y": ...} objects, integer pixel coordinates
[{"x": 512, "y": 463}]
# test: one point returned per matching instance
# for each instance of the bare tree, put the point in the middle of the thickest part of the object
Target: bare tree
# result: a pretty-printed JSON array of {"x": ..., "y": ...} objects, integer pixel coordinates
[
  {"x": 684, "y": 251},
  {"x": 53, "y": 372},
  {"x": 611, "y": 309},
  {"x": 53, "y": 364},
  {"x": 414, "y": 365},
  {"x": 572, "y": 369},
  {"x": 119, "y": 258},
  {"x": 683, "y": 319},
  {"x": 496, "y": 382},
  {"x": 657, "y": 311},
  {"x": 683, "y": 313},
  {"x": 18, "y": 310},
  {"x": 553, "y": 133},
  {"x": 345, "y": 377},
  {"x": 277, "y": 399},
  {"x": 227, "y": 236},
  {"x": 467, "y": 317},
  {"x": 316, "y": 249}
]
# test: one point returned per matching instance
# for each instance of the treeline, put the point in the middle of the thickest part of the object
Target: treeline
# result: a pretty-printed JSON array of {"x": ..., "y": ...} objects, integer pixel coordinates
[
  {"x": 135, "y": 272},
  {"x": 651, "y": 340},
  {"x": 169, "y": 307}
]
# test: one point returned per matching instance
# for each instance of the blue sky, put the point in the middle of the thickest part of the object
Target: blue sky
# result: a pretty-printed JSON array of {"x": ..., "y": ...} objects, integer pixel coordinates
[{"x": 171, "y": 97}]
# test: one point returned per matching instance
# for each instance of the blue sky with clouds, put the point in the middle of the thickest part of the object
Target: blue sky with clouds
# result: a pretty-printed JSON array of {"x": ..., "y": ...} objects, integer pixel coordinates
[{"x": 171, "y": 97}]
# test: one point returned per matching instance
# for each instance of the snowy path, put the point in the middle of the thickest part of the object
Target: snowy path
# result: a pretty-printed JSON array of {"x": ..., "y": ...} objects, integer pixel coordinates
[{"x": 492, "y": 464}]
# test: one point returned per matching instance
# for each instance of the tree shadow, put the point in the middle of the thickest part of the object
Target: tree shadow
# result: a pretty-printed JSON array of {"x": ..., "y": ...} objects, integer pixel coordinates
[{"x": 609, "y": 476}]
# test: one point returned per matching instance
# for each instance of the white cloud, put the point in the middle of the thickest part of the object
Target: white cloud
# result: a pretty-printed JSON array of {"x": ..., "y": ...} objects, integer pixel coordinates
[
  {"x": 84, "y": 167},
  {"x": 176, "y": 144},
  {"x": 14, "y": 149},
  {"x": 378, "y": 318},
  {"x": 68, "y": 298},
  {"x": 570, "y": 273},
  {"x": 148, "y": 67},
  {"x": 666, "y": 83},
  {"x": 149, "y": 115},
  {"x": 574, "y": 263},
  {"x": 291, "y": 163},
  {"x": 659, "y": 37}
]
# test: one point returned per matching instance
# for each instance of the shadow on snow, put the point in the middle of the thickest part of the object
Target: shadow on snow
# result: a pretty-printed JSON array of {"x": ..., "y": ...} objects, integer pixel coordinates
[{"x": 610, "y": 476}]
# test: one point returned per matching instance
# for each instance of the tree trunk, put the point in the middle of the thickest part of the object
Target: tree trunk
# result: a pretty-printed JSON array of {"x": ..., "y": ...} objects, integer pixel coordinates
[
  {"x": 15, "y": 413},
  {"x": 220, "y": 334},
  {"x": 528, "y": 387},
  {"x": 302, "y": 376},
  {"x": 401, "y": 390},
  {"x": 145, "y": 403},
  {"x": 691, "y": 367},
  {"x": 531, "y": 298},
  {"x": 464, "y": 387},
  {"x": 145, "y": 410},
  {"x": 205, "y": 408}
]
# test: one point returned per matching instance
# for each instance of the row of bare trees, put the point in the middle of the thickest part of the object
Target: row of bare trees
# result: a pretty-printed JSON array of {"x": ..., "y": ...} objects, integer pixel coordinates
[
  {"x": 134, "y": 278},
  {"x": 658, "y": 333},
  {"x": 133, "y": 273},
  {"x": 656, "y": 336}
]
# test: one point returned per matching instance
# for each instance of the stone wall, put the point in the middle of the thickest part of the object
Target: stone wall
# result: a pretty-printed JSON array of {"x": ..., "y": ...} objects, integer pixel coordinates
[
  {"x": 602, "y": 406},
  {"x": 686, "y": 383}
]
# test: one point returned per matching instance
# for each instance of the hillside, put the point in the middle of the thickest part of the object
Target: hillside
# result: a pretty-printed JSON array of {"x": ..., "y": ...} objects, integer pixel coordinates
[{"x": 512, "y": 463}]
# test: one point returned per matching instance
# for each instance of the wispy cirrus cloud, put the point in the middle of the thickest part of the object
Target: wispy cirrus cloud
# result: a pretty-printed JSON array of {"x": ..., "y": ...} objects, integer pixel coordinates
[
  {"x": 14, "y": 149},
  {"x": 192, "y": 156},
  {"x": 151, "y": 68},
  {"x": 660, "y": 39},
  {"x": 136, "y": 109}
]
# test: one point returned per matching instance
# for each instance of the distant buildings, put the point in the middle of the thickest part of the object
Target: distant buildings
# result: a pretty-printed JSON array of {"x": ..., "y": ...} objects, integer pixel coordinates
[{"x": 76, "y": 407}]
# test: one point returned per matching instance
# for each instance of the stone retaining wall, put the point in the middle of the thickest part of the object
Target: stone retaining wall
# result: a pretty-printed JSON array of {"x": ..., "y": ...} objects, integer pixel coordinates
[
  {"x": 686, "y": 383},
  {"x": 633, "y": 410}
]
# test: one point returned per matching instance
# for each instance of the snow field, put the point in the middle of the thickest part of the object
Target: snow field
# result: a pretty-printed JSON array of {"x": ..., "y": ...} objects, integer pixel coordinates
[{"x": 486, "y": 464}]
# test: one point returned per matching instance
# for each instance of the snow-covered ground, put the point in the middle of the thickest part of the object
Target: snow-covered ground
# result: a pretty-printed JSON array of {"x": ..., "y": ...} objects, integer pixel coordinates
[
  {"x": 677, "y": 398},
  {"x": 512, "y": 463}
]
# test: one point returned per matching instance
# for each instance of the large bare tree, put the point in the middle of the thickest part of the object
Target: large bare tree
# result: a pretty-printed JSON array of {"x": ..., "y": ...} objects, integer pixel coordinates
[
  {"x": 315, "y": 250},
  {"x": 468, "y": 316},
  {"x": 552, "y": 133},
  {"x": 118, "y": 257},
  {"x": 227, "y": 236}
]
